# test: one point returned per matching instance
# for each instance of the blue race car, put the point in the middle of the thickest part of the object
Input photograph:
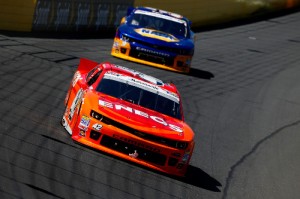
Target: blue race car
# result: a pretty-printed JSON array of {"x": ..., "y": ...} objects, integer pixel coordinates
[{"x": 155, "y": 37}]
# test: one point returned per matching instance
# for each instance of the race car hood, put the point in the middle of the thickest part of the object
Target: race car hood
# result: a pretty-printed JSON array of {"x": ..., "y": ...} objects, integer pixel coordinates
[
  {"x": 155, "y": 34},
  {"x": 140, "y": 118},
  {"x": 156, "y": 37}
]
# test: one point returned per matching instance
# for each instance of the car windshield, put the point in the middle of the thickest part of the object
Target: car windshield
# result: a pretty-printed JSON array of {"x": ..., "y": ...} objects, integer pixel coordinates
[
  {"x": 140, "y": 96},
  {"x": 159, "y": 22}
]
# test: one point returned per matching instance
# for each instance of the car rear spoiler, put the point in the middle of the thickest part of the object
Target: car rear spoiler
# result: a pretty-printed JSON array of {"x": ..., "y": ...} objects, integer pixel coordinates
[{"x": 86, "y": 65}]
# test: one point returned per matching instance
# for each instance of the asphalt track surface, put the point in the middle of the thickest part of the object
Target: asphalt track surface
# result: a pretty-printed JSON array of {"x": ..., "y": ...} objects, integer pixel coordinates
[{"x": 242, "y": 99}]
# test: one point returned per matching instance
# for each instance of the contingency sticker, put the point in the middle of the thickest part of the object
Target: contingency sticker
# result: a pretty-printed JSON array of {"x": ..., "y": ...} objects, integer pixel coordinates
[{"x": 84, "y": 123}]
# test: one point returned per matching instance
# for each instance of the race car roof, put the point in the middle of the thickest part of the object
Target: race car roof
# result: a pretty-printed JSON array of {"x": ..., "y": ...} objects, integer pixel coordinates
[
  {"x": 160, "y": 12},
  {"x": 159, "y": 15},
  {"x": 142, "y": 85},
  {"x": 165, "y": 89}
]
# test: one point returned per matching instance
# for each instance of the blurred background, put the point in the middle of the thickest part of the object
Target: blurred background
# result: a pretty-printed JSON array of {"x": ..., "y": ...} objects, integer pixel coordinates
[{"x": 103, "y": 16}]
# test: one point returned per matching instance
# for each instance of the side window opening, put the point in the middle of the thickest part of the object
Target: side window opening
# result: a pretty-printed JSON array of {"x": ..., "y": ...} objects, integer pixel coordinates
[
  {"x": 93, "y": 76},
  {"x": 90, "y": 74}
]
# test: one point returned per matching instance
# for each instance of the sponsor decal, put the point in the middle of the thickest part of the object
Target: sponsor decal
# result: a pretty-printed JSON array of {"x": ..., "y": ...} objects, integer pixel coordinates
[
  {"x": 165, "y": 12},
  {"x": 77, "y": 76},
  {"x": 159, "y": 120},
  {"x": 116, "y": 44},
  {"x": 156, "y": 34},
  {"x": 152, "y": 51},
  {"x": 124, "y": 40},
  {"x": 42, "y": 13},
  {"x": 174, "y": 17},
  {"x": 83, "y": 12},
  {"x": 134, "y": 155},
  {"x": 75, "y": 103},
  {"x": 136, "y": 143},
  {"x": 84, "y": 123},
  {"x": 155, "y": 88},
  {"x": 143, "y": 76},
  {"x": 121, "y": 11},
  {"x": 185, "y": 157},
  {"x": 102, "y": 14},
  {"x": 79, "y": 15},
  {"x": 188, "y": 62},
  {"x": 63, "y": 12}
]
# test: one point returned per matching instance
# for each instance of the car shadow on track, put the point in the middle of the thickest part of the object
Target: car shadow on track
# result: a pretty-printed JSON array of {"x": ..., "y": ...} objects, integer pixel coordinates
[
  {"x": 200, "y": 74},
  {"x": 201, "y": 179},
  {"x": 194, "y": 176}
]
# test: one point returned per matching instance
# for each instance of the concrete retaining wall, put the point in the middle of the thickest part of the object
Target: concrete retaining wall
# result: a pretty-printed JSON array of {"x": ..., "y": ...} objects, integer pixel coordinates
[{"x": 102, "y": 15}]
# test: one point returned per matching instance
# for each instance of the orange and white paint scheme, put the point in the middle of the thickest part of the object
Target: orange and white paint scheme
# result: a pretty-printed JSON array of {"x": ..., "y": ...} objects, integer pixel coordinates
[{"x": 128, "y": 114}]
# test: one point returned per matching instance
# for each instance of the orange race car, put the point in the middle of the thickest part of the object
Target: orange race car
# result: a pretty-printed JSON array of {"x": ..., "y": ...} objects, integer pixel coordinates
[{"x": 128, "y": 114}]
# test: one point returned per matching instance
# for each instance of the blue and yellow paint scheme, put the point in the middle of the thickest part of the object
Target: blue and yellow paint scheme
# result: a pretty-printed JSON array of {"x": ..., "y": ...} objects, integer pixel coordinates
[{"x": 163, "y": 39}]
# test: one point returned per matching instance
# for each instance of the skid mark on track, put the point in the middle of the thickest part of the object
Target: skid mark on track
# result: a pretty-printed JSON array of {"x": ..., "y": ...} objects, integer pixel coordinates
[
  {"x": 42, "y": 190},
  {"x": 255, "y": 147}
]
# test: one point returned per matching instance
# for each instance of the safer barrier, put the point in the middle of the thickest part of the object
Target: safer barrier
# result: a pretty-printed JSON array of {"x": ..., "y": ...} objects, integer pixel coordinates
[{"x": 103, "y": 15}]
